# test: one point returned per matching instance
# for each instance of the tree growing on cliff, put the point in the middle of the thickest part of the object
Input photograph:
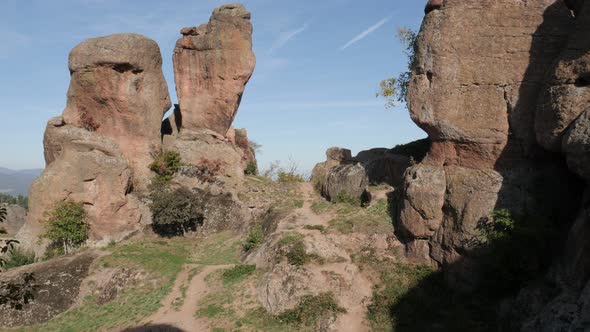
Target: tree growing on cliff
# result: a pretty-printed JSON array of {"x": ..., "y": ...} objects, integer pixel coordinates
[
  {"x": 67, "y": 227},
  {"x": 395, "y": 89}
]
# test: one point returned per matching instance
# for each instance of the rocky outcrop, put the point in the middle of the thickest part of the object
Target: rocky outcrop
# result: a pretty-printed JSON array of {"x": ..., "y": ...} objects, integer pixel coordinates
[
  {"x": 346, "y": 182},
  {"x": 89, "y": 168},
  {"x": 383, "y": 166},
  {"x": 476, "y": 97},
  {"x": 212, "y": 64},
  {"x": 335, "y": 156},
  {"x": 58, "y": 285},
  {"x": 98, "y": 153},
  {"x": 118, "y": 90},
  {"x": 15, "y": 218}
]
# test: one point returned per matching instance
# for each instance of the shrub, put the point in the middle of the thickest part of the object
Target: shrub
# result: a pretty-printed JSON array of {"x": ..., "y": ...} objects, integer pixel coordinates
[
  {"x": 210, "y": 169},
  {"x": 67, "y": 227},
  {"x": 237, "y": 273},
  {"x": 312, "y": 309},
  {"x": 166, "y": 164},
  {"x": 251, "y": 169},
  {"x": 396, "y": 89},
  {"x": 286, "y": 177},
  {"x": 19, "y": 257},
  {"x": 20, "y": 200},
  {"x": 254, "y": 239},
  {"x": 320, "y": 228},
  {"x": 515, "y": 250},
  {"x": 175, "y": 212}
]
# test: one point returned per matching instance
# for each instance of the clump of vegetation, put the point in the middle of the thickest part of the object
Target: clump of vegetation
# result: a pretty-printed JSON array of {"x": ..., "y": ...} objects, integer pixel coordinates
[
  {"x": 237, "y": 273},
  {"x": 20, "y": 200},
  {"x": 166, "y": 164},
  {"x": 514, "y": 249},
  {"x": 19, "y": 257},
  {"x": 404, "y": 292},
  {"x": 344, "y": 198},
  {"x": 320, "y": 207},
  {"x": 67, "y": 227},
  {"x": 320, "y": 228},
  {"x": 293, "y": 248},
  {"x": 175, "y": 212},
  {"x": 313, "y": 310},
  {"x": 396, "y": 89},
  {"x": 375, "y": 219},
  {"x": 416, "y": 150},
  {"x": 209, "y": 169},
  {"x": 251, "y": 169},
  {"x": 289, "y": 177},
  {"x": 254, "y": 239}
]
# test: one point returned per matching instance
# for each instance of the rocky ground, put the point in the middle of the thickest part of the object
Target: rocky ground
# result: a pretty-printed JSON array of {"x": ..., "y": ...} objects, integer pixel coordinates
[{"x": 307, "y": 271}]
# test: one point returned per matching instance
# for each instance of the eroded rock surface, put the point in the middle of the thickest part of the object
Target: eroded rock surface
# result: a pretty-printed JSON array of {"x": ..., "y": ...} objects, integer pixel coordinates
[
  {"x": 118, "y": 90},
  {"x": 58, "y": 284},
  {"x": 212, "y": 64},
  {"x": 476, "y": 97}
]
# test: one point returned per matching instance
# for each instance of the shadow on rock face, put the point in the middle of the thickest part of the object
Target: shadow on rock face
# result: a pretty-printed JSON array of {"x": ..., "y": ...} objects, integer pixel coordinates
[{"x": 154, "y": 328}]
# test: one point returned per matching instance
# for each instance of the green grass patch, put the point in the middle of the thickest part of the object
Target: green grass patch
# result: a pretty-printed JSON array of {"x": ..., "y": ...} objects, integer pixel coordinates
[
  {"x": 210, "y": 311},
  {"x": 372, "y": 220},
  {"x": 312, "y": 309},
  {"x": 406, "y": 291},
  {"x": 320, "y": 207},
  {"x": 254, "y": 239},
  {"x": 237, "y": 273},
  {"x": 320, "y": 228},
  {"x": 217, "y": 249}
]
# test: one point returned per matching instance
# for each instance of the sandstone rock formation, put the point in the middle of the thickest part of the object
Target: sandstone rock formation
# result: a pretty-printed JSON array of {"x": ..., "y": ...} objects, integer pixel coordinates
[
  {"x": 118, "y": 91},
  {"x": 15, "y": 218},
  {"x": 335, "y": 156},
  {"x": 212, "y": 64},
  {"x": 346, "y": 182},
  {"x": 383, "y": 166},
  {"x": 98, "y": 153},
  {"x": 476, "y": 97},
  {"x": 84, "y": 167}
]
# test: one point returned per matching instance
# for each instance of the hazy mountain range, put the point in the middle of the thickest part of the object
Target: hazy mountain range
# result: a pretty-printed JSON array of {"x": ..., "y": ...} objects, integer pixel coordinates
[{"x": 17, "y": 182}]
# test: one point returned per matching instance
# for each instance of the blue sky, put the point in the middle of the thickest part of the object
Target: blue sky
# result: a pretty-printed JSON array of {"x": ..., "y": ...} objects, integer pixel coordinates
[{"x": 319, "y": 64}]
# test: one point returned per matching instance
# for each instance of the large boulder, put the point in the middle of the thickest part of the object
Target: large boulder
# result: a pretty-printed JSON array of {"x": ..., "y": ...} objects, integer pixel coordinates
[
  {"x": 567, "y": 92},
  {"x": 86, "y": 168},
  {"x": 346, "y": 182},
  {"x": 15, "y": 218},
  {"x": 118, "y": 90},
  {"x": 476, "y": 98},
  {"x": 382, "y": 166},
  {"x": 212, "y": 64},
  {"x": 335, "y": 156}
]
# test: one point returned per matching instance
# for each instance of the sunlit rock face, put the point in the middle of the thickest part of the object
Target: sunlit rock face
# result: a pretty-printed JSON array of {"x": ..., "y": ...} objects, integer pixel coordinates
[
  {"x": 480, "y": 68},
  {"x": 99, "y": 151},
  {"x": 118, "y": 90},
  {"x": 212, "y": 64}
]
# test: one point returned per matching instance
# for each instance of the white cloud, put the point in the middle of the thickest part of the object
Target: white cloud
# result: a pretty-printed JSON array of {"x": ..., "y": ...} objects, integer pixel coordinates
[
  {"x": 365, "y": 33},
  {"x": 285, "y": 37}
]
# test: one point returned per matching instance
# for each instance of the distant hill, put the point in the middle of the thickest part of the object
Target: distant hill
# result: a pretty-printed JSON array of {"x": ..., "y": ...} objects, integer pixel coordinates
[{"x": 17, "y": 182}]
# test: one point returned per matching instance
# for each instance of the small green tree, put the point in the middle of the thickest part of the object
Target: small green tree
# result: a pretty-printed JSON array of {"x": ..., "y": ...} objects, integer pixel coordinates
[
  {"x": 395, "y": 89},
  {"x": 166, "y": 164},
  {"x": 67, "y": 226}
]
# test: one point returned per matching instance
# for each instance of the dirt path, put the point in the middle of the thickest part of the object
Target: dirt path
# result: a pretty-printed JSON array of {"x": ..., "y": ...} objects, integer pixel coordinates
[
  {"x": 178, "y": 310},
  {"x": 354, "y": 302}
]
